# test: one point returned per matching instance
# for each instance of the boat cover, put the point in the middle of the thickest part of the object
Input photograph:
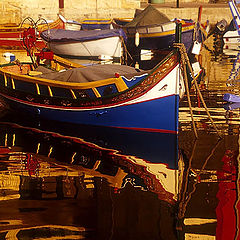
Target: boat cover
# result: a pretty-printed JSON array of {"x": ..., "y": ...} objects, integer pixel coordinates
[
  {"x": 91, "y": 73},
  {"x": 148, "y": 17},
  {"x": 63, "y": 35}
]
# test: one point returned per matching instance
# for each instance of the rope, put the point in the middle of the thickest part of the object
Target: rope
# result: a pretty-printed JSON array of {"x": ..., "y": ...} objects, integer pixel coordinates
[
  {"x": 184, "y": 70},
  {"x": 185, "y": 61}
]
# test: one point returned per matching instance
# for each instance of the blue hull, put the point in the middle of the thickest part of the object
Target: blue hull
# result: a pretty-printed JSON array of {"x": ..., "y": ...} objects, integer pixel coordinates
[
  {"x": 159, "y": 115},
  {"x": 161, "y": 42}
]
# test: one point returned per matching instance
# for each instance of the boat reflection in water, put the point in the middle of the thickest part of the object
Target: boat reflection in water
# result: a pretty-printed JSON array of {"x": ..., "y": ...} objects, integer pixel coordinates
[
  {"x": 88, "y": 183},
  {"x": 209, "y": 206}
]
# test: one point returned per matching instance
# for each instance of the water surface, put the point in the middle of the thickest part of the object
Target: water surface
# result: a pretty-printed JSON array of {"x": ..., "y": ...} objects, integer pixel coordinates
[{"x": 59, "y": 181}]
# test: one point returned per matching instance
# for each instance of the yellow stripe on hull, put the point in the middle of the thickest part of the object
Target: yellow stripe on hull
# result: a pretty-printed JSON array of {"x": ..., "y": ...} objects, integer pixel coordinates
[{"x": 161, "y": 34}]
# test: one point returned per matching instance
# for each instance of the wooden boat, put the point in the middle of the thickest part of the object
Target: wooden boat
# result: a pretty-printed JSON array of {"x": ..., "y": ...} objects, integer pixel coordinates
[
  {"x": 231, "y": 37},
  {"x": 104, "y": 95},
  {"x": 153, "y": 30},
  {"x": 92, "y": 24},
  {"x": 107, "y": 95},
  {"x": 85, "y": 44},
  {"x": 11, "y": 35},
  {"x": 106, "y": 23},
  {"x": 70, "y": 24}
]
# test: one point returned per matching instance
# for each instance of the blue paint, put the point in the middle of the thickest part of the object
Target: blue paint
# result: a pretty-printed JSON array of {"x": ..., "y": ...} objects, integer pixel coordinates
[{"x": 156, "y": 115}]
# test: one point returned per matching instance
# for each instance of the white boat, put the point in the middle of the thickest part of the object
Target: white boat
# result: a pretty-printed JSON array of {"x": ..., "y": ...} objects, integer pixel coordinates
[
  {"x": 70, "y": 24},
  {"x": 90, "y": 44},
  {"x": 231, "y": 38}
]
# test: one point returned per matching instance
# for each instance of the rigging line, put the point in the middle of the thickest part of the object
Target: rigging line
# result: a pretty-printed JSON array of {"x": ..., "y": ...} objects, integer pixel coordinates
[
  {"x": 87, "y": 50},
  {"x": 197, "y": 176},
  {"x": 125, "y": 49},
  {"x": 187, "y": 175}
]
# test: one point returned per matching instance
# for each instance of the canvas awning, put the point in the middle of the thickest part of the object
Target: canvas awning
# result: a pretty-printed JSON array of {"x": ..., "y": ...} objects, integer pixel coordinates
[
  {"x": 148, "y": 17},
  {"x": 62, "y": 35},
  {"x": 91, "y": 73}
]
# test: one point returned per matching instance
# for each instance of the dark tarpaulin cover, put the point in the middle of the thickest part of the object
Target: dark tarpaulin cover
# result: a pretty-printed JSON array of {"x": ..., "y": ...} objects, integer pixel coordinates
[
  {"x": 149, "y": 16},
  {"x": 62, "y": 35},
  {"x": 91, "y": 73}
]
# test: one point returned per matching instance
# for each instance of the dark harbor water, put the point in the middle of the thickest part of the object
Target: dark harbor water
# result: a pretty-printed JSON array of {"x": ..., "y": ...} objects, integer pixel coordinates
[{"x": 60, "y": 181}]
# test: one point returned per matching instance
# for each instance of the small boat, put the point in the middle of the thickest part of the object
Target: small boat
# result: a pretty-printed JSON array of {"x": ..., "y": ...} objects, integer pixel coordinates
[
  {"x": 85, "y": 44},
  {"x": 106, "y": 23},
  {"x": 93, "y": 24},
  {"x": 152, "y": 30},
  {"x": 231, "y": 37},
  {"x": 109, "y": 95},
  {"x": 229, "y": 97},
  {"x": 11, "y": 35},
  {"x": 70, "y": 24},
  {"x": 119, "y": 22}
]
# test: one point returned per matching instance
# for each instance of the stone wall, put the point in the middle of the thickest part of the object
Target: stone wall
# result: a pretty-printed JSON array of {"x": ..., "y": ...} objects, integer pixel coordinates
[
  {"x": 10, "y": 13},
  {"x": 13, "y": 11},
  {"x": 213, "y": 15}
]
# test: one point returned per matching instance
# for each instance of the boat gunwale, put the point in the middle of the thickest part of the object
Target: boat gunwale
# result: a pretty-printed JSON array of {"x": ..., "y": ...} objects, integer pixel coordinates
[
  {"x": 72, "y": 41},
  {"x": 72, "y": 85},
  {"x": 184, "y": 25},
  {"x": 118, "y": 98},
  {"x": 161, "y": 34},
  {"x": 20, "y": 28}
]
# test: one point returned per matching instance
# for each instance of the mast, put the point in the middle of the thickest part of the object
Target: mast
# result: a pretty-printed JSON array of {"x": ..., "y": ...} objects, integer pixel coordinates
[{"x": 61, "y": 7}]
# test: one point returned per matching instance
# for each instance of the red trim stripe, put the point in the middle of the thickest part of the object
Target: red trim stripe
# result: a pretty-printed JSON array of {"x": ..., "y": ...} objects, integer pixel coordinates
[
  {"x": 149, "y": 130},
  {"x": 76, "y": 108}
]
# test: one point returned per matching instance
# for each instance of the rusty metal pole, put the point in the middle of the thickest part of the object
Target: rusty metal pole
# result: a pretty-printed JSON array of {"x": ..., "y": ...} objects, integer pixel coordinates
[
  {"x": 177, "y": 3},
  {"x": 61, "y": 7},
  {"x": 61, "y": 3}
]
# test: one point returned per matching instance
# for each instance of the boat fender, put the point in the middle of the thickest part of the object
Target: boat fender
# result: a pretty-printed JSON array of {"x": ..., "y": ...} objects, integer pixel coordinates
[
  {"x": 9, "y": 57},
  {"x": 117, "y": 75},
  {"x": 137, "y": 39},
  {"x": 196, "y": 47},
  {"x": 136, "y": 66}
]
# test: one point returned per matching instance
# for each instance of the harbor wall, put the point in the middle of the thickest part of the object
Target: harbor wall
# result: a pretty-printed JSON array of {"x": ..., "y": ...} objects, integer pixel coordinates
[{"x": 15, "y": 11}]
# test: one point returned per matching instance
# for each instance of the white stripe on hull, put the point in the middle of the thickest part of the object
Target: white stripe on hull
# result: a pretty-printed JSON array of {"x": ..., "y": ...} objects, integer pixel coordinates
[{"x": 166, "y": 87}]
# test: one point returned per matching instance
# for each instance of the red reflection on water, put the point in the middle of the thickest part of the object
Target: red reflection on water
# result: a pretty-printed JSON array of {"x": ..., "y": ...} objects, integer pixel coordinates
[
  {"x": 228, "y": 206},
  {"x": 31, "y": 164}
]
